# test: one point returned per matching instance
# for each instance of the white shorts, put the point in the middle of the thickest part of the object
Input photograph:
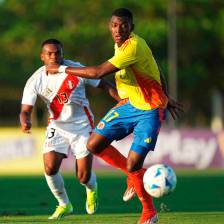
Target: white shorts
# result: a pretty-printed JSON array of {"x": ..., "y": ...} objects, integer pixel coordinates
[{"x": 62, "y": 141}]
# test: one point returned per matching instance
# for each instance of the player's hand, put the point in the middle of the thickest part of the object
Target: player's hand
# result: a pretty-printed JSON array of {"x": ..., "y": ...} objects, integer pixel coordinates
[
  {"x": 175, "y": 108},
  {"x": 26, "y": 127},
  {"x": 52, "y": 69}
]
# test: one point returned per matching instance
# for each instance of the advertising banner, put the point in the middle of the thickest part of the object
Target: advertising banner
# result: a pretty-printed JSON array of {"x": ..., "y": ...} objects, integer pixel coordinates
[
  {"x": 21, "y": 153},
  {"x": 181, "y": 148}
]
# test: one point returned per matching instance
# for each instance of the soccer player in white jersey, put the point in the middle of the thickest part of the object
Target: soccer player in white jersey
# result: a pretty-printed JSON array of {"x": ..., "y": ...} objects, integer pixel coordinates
[{"x": 70, "y": 124}]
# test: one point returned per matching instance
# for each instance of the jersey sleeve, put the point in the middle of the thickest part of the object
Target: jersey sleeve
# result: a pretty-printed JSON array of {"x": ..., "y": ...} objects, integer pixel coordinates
[
  {"x": 125, "y": 56},
  {"x": 29, "y": 92},
  {"x": 92, "y": 82},
  {"x": 72, "y": 63}
]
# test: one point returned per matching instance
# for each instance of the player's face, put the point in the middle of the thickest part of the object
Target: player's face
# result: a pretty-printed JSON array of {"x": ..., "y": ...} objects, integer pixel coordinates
[
  {"x": 51, "y": 54},
  {"x": 120, "y": 28}
]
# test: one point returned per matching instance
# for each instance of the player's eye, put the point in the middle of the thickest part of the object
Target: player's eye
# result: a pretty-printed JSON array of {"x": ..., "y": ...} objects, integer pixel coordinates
[
  {"x": 125, "y": 26},
  {"x": 113, "y": 25}
]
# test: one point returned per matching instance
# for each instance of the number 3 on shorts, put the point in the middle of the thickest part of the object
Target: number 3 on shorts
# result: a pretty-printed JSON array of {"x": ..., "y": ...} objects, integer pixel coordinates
[
  {"x": 50, "y": 133},
  {"x": 111, "y": 115}
]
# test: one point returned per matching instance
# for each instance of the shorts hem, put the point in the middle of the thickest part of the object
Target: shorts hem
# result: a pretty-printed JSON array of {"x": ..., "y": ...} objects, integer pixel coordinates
[
  {"x": 108, "y": 139},
  {"x": 140, "y": 149},
  {"x": 53, "y": 150},
  {"x": 82, "y": 156}
]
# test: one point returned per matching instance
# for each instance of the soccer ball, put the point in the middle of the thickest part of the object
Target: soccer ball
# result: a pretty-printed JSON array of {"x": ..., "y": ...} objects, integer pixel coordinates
[{"x": 159, "y": 180}]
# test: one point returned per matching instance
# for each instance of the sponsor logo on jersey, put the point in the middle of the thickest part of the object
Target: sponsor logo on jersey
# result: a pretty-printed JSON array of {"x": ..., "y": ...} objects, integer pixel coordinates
[
  {"x": 148, "y": 140},
  {"x": 70, "y": 84},
  {"x": 101, "y": 125}
]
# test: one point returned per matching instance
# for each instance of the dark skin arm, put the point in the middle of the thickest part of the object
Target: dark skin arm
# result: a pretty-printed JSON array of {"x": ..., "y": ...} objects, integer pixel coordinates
[
  {"x": 90, "y": 72},
  {"x": 175, "y": 108},
  {"x": 25, "y": 118},
  {"x": 95, "y": 72}
]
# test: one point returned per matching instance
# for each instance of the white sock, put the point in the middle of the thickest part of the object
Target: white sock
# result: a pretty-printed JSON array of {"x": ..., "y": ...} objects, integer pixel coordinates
[
  {"x": 91, "y": 184},
  {"x": 56, "y": 185}
]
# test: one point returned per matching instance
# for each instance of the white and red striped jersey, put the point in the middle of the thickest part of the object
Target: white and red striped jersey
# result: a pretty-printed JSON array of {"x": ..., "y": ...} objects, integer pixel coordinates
[{"x": 63, "y": 94}]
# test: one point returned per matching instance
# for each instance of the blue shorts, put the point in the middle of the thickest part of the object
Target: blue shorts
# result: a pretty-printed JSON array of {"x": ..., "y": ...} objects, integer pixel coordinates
[{"x": 125, "y": 119}]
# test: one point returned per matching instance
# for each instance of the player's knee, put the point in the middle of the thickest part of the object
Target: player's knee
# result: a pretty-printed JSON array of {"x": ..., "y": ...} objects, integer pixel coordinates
[
  {"x": 83, "y": 177},
  {"x": 50, "y": 170},
  {"x": 131, "y": 166},
  {"x": 91, "y": 146},
  {"x": 96, "y": 144}
]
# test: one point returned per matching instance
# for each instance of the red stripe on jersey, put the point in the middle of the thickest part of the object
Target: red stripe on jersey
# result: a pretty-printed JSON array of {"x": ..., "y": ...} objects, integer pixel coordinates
[
  {"x": 63, "y": 94},
  {"x": 151, "y": 90},
  {"x": 89, "y": 117}
]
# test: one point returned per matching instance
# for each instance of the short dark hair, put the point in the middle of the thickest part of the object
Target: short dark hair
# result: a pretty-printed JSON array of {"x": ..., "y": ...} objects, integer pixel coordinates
[
  {"x": 123, "y": 12},
  {"x": 52, "y": 41}
]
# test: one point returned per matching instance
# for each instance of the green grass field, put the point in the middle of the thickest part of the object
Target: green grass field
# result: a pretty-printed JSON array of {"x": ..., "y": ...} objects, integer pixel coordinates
[{"x": 198, "y": 199}]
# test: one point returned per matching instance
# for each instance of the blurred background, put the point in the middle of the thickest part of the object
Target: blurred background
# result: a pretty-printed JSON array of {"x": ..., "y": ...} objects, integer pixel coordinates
[{"x": 186, "y": 38}]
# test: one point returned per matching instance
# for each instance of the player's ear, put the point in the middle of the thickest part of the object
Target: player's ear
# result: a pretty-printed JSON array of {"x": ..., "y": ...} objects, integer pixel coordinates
[
  {"x": 109, "y": 26},
  {"x": 41, "y": 56}
]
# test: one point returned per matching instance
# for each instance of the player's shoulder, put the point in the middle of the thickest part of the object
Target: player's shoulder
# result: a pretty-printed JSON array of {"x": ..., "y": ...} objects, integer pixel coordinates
[
  {"x": 36, "y": 75},
  {"x": 139, "y": 45},
  {"x": 39, "y": 72},
  {"x": 130, "y": 44},
  {"x": 141, "y": 42},
  {"x": 138, "y": 41},
  {"x": 72, "y": 63}
]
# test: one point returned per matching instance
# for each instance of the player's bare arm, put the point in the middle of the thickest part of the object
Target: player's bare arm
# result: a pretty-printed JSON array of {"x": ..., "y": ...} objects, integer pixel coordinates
[
  {"x": 174, "y": 107},
  {"x": 25, "y": 118},
  {"x": 109, "y": 88},
  {"x": 90, "y": 72}
]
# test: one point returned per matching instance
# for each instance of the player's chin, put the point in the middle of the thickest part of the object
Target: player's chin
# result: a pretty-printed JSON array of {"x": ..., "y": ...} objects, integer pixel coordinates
[{"x": 53, "y": 63}]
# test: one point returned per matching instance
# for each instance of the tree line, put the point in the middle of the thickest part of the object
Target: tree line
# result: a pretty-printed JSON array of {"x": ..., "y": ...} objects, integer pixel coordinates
[{"x": 82, "y": 26}]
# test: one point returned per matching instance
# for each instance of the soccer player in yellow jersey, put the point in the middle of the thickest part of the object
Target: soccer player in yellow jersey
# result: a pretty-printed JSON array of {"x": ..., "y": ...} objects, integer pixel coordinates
[{"x": 142, "y": 88}]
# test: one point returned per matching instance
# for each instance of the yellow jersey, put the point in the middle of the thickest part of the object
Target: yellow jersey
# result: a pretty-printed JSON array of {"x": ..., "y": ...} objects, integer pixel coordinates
[{"x": 138, "y": 78}]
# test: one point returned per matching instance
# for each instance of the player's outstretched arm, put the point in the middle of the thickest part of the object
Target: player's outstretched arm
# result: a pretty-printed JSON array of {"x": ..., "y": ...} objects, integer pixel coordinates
[
  {"x": 90, "y": 72},
  {"x": 110, "y": 88},
  {"x": 25, "y": 118},
  {"x": 174, "y": 107}
]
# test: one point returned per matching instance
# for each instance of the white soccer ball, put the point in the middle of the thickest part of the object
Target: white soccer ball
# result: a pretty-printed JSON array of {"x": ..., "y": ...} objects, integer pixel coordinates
[{"x": 159, "y": 180}]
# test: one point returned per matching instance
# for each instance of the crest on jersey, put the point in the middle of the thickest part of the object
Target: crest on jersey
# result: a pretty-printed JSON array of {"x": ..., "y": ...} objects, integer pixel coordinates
[
  {"x": 70, "y": 84},
  {"x": 47, "y": 92},
  {"x": 101, "y": 125}
]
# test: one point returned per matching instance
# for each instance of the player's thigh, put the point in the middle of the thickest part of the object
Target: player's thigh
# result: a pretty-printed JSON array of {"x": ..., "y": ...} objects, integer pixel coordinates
[
  {"x": 55, "y": 149},
  {"x": 78, "y": 144},
  {"x": 56, "y": 142},
  {"x": 116, "y": 125},
  {"x": 97, "y": 143},
  {"x": 146, "y": 133}
]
